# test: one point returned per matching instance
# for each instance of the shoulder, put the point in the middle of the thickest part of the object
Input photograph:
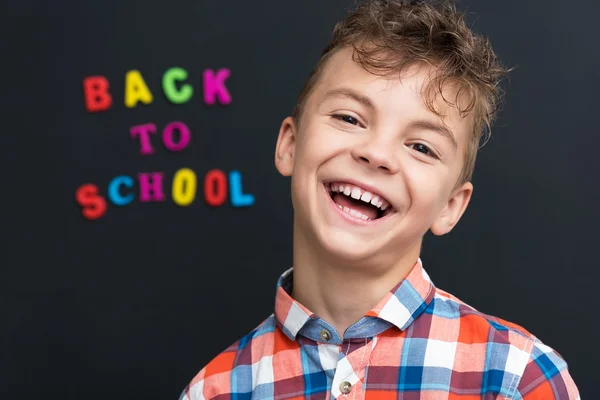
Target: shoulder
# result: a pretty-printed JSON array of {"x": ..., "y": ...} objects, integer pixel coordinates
[
  {"x": 504, "y": 353},
  {"x": 477, "y": 326},
  {"x": 546, "y": 376},
  {"x": 231, "y": 371}
]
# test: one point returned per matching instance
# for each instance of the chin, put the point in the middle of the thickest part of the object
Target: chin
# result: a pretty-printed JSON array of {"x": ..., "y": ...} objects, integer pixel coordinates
[{"x": 345, "y": 246}]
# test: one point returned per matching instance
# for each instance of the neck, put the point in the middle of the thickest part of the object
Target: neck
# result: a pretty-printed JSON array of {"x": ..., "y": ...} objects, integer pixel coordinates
[{"x": 340, "y": 291}]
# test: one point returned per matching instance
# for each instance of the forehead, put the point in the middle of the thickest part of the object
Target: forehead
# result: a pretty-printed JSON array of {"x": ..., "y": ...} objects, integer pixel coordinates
[{"x": 394, "y": 94}]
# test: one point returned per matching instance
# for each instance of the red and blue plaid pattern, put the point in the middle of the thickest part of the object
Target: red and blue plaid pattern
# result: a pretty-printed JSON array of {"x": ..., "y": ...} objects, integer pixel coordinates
[{"x": 419, "y": 342}]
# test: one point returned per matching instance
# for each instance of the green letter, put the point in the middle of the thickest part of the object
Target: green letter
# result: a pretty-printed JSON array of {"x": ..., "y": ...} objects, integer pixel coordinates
[{"x": 168, "y": 83}]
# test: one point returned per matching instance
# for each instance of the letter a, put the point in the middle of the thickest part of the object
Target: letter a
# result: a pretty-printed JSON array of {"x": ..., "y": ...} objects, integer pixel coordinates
[{"x": 136, "y": 89}]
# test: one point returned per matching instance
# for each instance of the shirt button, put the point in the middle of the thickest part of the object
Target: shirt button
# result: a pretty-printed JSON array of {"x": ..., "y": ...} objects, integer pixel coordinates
[
  {"x": 325, "y": 335},
  {"x": 345, "y": 387}
]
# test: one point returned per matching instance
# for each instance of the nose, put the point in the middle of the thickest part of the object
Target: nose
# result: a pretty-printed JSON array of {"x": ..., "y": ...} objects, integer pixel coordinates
[{"x": 377, "y": 154}]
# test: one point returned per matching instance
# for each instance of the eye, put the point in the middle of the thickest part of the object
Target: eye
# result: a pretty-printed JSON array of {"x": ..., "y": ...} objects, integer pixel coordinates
[
  {"x": 421, "y": 148},
  {"x": 347, "y": 118}
]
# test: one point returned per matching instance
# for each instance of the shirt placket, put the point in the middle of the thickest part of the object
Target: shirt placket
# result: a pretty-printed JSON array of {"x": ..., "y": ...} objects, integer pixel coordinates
[{"x": 350, "y": 370}]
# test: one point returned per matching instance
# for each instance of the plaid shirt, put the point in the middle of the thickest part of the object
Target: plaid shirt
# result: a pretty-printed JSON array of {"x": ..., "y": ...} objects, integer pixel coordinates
[{"x": 419, "y": 342}]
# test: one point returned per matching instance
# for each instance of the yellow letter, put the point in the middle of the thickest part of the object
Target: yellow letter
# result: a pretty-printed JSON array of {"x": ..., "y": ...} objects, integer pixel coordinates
[
  {"x": 184, "y": 187},
  {"x": 136, "y": 89}
]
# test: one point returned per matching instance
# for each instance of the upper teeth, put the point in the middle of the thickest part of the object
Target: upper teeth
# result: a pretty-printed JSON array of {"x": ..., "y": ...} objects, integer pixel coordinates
[{"x": 360, "y": 194}]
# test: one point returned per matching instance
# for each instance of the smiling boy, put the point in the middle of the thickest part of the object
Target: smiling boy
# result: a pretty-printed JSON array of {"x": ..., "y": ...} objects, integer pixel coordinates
[{"x": 380, "y": 150}]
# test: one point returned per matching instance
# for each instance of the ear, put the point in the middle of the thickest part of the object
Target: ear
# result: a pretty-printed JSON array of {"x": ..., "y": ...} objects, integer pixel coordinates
[
  {"x": 286, "y": 146},
  {"x": 454, "y": 209}
]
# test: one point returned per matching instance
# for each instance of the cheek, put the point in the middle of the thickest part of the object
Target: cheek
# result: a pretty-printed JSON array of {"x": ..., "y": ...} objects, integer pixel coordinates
[
  {"x": 426, "y": 185},
  {"x": 310, "y": 153},
  {"x": 317, "y": 143}
]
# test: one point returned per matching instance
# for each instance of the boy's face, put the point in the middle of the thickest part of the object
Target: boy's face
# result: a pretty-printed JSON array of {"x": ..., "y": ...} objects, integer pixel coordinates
[{"x": 373, "y": 136}]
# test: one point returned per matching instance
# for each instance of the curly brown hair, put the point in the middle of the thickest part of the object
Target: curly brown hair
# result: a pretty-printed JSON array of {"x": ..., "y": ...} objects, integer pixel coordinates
[{"x": 389, "y": 36}]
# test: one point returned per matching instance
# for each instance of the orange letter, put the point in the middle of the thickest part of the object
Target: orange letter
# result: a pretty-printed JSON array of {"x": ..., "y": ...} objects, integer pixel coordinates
[
  {"x": 93, "y": 205},
  {"x": 95, "y": 93},
  {"x": 215, "y": 187}
]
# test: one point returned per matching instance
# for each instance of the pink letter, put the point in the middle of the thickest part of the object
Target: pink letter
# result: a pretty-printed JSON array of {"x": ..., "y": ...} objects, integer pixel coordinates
[
  {"x": 151, "y": 188},
  {"x": 184, "y": 138},
  {"x": 144, "y": 131},
  {"x": 214, "y": 85}
]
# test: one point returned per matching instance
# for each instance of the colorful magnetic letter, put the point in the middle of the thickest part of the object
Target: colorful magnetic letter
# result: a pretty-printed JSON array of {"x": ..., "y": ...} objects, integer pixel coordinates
[
  {"x": 215, "y": 187},
  {"x": 184, "y": 187},
  {"x": 144, "y": 131},
  {"x": 151, "y": 188},
  {"x": 136, "y": 89},
  {"x": 238, "y": 198},
  {"x": 113, "y": 190},
  {"x": 176, "y": 96},
  {"x": 95, "y": 93},
  {"x": 214, "y": 86},
  {"x": 184, "y": 136},
  {"x": 93, "y": 206}
]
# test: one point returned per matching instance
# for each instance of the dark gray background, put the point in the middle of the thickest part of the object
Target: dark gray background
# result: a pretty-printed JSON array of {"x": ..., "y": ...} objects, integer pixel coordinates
[{"x": 132, "y": 305}]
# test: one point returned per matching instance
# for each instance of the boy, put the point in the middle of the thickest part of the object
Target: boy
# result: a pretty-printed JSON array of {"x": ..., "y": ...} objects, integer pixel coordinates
[{"x": 380, "y": 149}]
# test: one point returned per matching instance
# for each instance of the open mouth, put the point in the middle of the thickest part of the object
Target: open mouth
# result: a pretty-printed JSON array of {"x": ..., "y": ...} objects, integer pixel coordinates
[{"x": 358, "y": 202}]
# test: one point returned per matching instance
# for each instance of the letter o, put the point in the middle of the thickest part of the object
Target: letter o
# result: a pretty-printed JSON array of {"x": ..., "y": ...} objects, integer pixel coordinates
[{"x": 184, "y": 187}]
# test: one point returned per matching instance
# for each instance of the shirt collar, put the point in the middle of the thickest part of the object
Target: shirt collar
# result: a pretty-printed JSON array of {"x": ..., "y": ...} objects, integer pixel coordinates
[{"x": 399, "y": 307}]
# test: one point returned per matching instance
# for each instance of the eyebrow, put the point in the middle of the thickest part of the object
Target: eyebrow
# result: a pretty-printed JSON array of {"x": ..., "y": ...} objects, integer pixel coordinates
[
  {"x": 354, "y": 95},
  {"x": 439, "y": 128},
  {"x": 419, "y": 124}
]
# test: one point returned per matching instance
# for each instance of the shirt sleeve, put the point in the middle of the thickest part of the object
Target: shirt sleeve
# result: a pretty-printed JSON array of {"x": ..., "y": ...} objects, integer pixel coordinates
[
  {"x": 546, "y": 377},
  {"x": 195, "y": 389}
]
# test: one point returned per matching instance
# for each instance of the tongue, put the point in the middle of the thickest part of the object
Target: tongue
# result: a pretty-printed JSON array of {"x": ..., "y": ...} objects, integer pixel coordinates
[{"x": 364, "y": 208}]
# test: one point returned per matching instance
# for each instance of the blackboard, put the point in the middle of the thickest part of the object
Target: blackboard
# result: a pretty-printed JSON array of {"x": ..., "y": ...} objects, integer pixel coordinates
[{"x": 132, "y": 304}]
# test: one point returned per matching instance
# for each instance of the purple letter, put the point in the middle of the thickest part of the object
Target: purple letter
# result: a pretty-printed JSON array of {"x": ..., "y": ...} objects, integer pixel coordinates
[
  {"x": 151, "y": 188},
  {"x": 214, "y": 85},
  {"x": 184, "y": 138},
  {"x": 144, "y": 131}
]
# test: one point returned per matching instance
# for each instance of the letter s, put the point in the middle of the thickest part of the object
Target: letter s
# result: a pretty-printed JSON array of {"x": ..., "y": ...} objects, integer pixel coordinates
[{"x": 93, "y": 206}]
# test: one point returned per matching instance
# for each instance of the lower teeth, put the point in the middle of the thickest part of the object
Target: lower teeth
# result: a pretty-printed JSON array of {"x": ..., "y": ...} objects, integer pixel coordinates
[{"x": 355, "y": 214}]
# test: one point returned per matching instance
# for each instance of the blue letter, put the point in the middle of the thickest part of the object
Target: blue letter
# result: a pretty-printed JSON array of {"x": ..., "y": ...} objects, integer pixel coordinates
[
  {"x": 238, "y": 199},
  {"x": 113, "y": 190}
]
